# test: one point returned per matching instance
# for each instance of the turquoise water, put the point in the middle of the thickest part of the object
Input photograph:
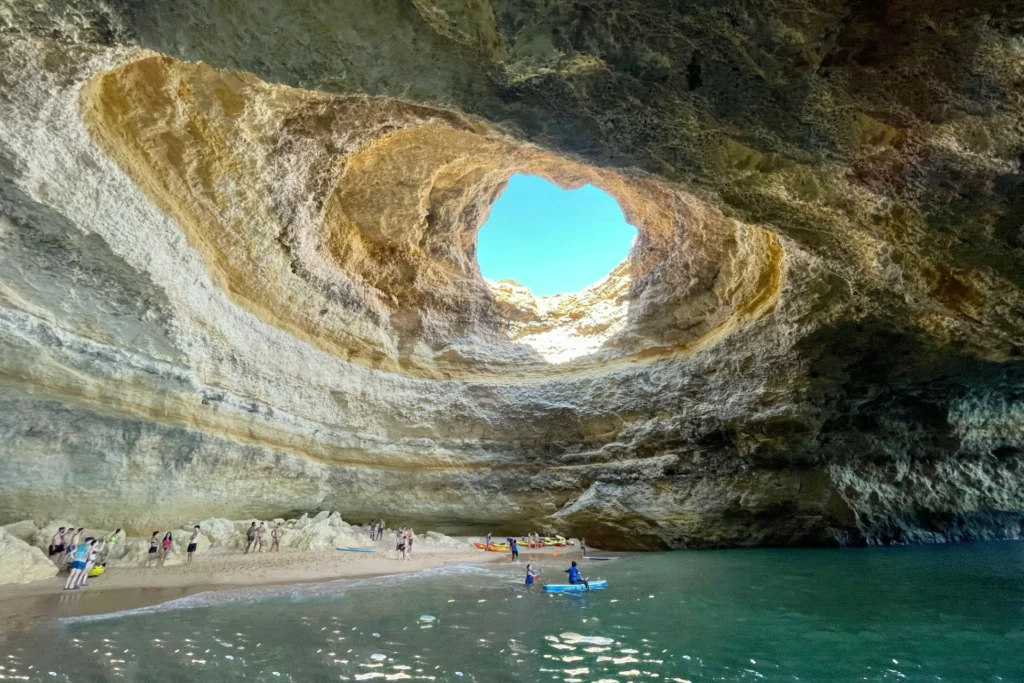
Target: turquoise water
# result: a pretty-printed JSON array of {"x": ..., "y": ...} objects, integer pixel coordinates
[{"x": 907, "y": 614}]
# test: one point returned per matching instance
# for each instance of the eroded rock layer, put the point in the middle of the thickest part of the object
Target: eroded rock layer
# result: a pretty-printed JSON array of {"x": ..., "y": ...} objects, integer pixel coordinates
[{"x": 238, "y": 273}]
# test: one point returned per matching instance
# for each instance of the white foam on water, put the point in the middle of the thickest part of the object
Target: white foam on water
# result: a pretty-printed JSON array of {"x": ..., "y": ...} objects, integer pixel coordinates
[{"x": 311, "y": 591}]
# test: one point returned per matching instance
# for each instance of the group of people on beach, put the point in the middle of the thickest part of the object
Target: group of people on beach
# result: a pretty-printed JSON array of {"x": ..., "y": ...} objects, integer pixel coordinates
[
  {"x": 404, "y": 537},
  {"x": 254, "y": 538},
  {"x": 403, "y": 542},
  {"x": 159, "y": 548},
  {"x": 83, "y": 552}
]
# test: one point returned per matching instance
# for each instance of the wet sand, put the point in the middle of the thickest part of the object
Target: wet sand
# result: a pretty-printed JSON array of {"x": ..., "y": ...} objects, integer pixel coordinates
[{"x": 128, "y": 587}]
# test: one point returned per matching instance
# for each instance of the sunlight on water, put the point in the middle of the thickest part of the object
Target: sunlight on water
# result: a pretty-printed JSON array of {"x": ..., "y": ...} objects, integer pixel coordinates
[{"x": 925, "y": 614}]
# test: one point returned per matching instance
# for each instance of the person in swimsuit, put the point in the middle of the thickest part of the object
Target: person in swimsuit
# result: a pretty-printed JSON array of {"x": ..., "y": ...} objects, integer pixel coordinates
[
  {"x": 531, "y": 575},
  {"x": 409, "y": 538},
  {"x": 250, "y": 537},
  {"x": 153, "y": 544},
  {"x": 57, "y": 544},
  {"x": 81, "y": 557},
  {"x": 275, "y": 538},
  {"x": 583, "y": 546},
  {"x": 94, "y": 552},
  {"x": 380, "y": 529},
  {"x": 259, "y": 537},
  {"x": 191, "y": 545},
  {"x": 488, "y": 543},
  {"x": 71, "y": 545},
  {"x": 165, "y": 547},
  {"x": 111, "y": 542}
]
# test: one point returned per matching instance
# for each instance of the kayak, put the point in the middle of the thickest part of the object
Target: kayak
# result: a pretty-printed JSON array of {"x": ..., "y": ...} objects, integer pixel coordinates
[
  {"x": 357, "y": 550},
  {"x": 575, "y": 587},
  {"x": 97, "y": 570},
  {"x": 494, "y": 547},
  {"x": 600, "y": 559}
]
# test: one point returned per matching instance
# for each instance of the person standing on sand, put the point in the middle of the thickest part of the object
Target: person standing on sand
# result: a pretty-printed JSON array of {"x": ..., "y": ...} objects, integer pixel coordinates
[
  {"x": 275, "y": 539},
  {"x": 488, "y": 543},
  {"x": 57, "y": 546},
  {"x": 259, "y": 537},
  {"x": 78, "y": 572},
  {"x": 515, "y": 550},
  {"x": 583, "y": 546},
  {"x": 71, "y": 545},
  {"x": 153, "y": 544},
  {"x": 381, "y": 526},
  {"x": 192, "y": 540},
  {"x": 111, "y": 542},
  {"x": 165, "y": 547},
  {"x": 250, "y": 537},
  {"x": 94, "y": 551},
  {"x": 409, "y": 538},
  {"x": 373, "y": 530}
]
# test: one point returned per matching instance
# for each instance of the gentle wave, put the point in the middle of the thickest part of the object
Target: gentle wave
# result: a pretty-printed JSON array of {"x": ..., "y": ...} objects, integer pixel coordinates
[{"x": 295, "y": 592}]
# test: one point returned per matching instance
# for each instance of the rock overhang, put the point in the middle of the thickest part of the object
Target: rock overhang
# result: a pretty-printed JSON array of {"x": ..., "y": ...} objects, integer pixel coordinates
[
  {"x": 155, "y": 366},
  {"x": 350, "y": 221}
]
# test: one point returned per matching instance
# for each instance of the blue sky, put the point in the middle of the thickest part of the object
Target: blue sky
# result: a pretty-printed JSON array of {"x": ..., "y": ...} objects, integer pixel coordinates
[{"x": 552, "y": 240}]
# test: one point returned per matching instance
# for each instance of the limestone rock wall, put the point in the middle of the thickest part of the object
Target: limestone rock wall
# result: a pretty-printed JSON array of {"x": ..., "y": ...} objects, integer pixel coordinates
[{"x": 238, "y": 274}]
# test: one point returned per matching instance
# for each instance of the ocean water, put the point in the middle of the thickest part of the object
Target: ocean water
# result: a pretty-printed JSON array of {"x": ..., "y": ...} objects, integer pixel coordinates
[{"x": 952, "y": 613}]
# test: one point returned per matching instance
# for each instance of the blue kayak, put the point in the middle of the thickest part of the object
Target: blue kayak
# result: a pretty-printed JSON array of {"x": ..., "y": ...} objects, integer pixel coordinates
[
  {"x": 575, "y": 587},
  {"x": 357, "y": 550}
]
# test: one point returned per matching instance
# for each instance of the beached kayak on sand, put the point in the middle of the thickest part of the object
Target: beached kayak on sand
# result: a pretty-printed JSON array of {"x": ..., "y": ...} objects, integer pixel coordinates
[
  {"x": 494, "y": 547},
  {"x": 575, "y": 587},
  {"x": 357, "y": 550}
]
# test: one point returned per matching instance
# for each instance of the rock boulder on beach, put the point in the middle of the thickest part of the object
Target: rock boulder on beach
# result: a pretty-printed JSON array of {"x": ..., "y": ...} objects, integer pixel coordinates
[{"x": 21, "y": 562}]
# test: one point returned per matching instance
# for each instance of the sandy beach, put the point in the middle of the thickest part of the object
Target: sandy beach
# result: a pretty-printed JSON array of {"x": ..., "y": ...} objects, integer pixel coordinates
[{"x": 131, "y": 587}]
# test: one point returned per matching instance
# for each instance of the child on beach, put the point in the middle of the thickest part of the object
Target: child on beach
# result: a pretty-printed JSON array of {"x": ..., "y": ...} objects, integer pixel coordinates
[
  {"x": 153, "y": 544},
  {"x": 192, "y": 540}
]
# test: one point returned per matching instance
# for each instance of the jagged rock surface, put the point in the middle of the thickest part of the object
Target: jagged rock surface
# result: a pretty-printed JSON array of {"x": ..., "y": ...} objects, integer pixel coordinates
[
  {"x": 238, "y": 275},
  {"x": 21, "y": 562}
]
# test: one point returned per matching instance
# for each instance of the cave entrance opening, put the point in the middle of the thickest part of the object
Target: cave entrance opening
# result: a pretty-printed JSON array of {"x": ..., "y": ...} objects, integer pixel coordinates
[{"x": 551, "y": 240}]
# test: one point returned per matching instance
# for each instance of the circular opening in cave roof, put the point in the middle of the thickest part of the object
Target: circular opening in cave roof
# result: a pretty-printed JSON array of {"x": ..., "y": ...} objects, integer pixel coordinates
[{"x": 551, "y": 240}]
